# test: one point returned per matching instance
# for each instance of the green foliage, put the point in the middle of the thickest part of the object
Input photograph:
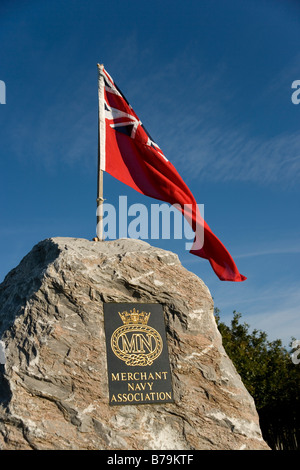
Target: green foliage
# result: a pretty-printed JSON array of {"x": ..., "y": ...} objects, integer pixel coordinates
[
  {"x": 265, "y": 367},
  {"x": 269, "y": 375}
]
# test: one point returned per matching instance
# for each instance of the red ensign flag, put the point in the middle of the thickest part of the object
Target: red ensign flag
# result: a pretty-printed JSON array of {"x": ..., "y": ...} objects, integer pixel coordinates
[{"x": 128, "y": 153}]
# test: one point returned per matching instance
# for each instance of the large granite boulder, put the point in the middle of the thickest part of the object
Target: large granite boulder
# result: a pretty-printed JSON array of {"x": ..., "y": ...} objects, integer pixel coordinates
[{"x": 54, "y": 386}]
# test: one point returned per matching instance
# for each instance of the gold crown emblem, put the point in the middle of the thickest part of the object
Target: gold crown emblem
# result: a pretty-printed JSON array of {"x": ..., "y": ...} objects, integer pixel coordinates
[{"x": 134, "y": 317}]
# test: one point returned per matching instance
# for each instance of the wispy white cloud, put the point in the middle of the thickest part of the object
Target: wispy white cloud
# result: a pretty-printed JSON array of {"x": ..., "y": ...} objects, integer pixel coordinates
[
  {"x": 231, "y": 155},
  {"x": 279, "y": 323},
  {"x": 274, "y": 309},
  {"x": 282, "y": 80},
  {"x": 282, "y": 250},
  {"x": 205, "y": 139}
]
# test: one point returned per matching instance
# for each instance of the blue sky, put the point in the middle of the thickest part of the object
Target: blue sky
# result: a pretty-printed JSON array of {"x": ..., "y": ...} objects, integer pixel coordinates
[{"x": 211, "y": 81}]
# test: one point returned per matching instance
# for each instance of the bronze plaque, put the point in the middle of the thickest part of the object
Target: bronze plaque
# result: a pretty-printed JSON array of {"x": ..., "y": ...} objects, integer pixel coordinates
[{"x": 137, "y": 354}]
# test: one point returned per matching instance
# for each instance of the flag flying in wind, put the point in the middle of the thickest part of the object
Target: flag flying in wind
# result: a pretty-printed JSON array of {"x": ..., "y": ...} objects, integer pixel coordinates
[{"x": 128, "y": 153}]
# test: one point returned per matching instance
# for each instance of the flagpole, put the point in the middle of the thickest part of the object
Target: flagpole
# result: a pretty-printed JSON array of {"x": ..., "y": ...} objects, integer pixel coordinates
[{"x": 101, "y": 153}]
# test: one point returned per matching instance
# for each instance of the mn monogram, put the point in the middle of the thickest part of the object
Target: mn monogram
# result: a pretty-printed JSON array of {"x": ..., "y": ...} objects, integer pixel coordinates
[
  {"x": 136, "y": 343},
  {"x": 137, "y": 354}
]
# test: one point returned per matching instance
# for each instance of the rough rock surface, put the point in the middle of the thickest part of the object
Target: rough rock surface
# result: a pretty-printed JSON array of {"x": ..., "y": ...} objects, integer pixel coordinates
[{"x": 53, "y": 385}]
